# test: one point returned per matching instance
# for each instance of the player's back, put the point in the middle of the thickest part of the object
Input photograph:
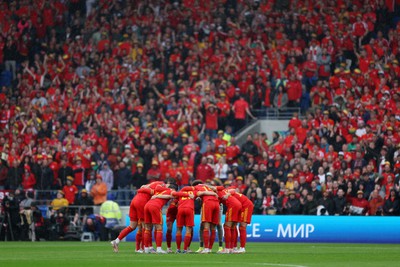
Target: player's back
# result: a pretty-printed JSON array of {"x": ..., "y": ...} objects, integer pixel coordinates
[
  {"x": 230, "y": 201},
  {"x": 144, "y": 197},
  {"x": 206, "y": 198},
  {"x": 245, "y": 201},
  {"x": 160, "y": 202},
  {"x": 186, "y": 201}
]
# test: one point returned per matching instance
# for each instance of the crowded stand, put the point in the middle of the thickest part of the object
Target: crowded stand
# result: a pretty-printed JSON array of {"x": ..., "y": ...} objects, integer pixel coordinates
[{"x": 102, "y": 97}]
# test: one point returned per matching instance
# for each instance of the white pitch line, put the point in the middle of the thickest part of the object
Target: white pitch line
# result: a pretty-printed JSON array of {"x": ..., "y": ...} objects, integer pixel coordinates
[
  {"x": 160, "y": 261},
  {"x": 223, "y": 262}
]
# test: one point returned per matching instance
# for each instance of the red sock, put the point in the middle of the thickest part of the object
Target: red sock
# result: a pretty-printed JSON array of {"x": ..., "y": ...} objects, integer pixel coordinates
[
  {"x": 178, "y": 241},
  {"x": 228, "y": 238},
  {"x": 125, "y": 232},
  {"x": 169, "y": 238},
  {"x": 147, "y": 238},
  {"x": 206, "y": 237},
  {"x": 234, "y": 237},
  {"x": 212, "y": 239},
  {"x": 243, "y": 236},
  {"x": 139, "y": 236},
  {"x": 191, "y": 238},
  {"x": 188, "y": 239},
  {"x": 158, "y": 238}
]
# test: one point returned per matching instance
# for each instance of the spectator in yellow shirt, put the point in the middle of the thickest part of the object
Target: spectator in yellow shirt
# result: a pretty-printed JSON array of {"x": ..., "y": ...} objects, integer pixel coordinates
[{"x": 59, "y": 202}]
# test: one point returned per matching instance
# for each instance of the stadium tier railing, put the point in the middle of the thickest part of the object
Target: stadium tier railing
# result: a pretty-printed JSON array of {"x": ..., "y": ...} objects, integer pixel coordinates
[
  {"x": 121, "y": 196},
  {"x": 275, "y": 113}
]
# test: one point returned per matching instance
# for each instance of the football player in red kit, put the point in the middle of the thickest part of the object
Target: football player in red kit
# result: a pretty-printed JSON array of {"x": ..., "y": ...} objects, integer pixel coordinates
[
  {"x": 209, "y": 214},
  {"x": 232, "y": 217},
  {"x": 153, "y": 216},
  {"x": 185, "y": 216},
  {"x": 136, "y": 216},
  {"x": 245, "y": 219}
]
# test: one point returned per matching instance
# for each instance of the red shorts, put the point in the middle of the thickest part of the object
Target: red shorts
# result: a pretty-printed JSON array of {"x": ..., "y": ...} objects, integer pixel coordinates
[
  {"x": 136, "y": 211},
  {"x": 245, "y": 214},
  {"x": 233, "y": 213},
  {"x": 171, "y": 214},
  {"x": 152, "y": 214},
  {"x": 185, "y": 217},
  {"x": 210, "y": 212}
]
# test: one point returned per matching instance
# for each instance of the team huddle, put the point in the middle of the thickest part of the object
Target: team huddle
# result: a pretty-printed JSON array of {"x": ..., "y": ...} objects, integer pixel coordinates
[{"x": 146, "y": 215}]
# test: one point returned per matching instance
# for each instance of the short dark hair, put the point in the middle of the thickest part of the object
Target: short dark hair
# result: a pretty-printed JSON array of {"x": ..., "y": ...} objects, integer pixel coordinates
[
  {"x": 173, "y": 186},
  {"x": 196, "y": 182},
  {"x": 170, "y": 180}
]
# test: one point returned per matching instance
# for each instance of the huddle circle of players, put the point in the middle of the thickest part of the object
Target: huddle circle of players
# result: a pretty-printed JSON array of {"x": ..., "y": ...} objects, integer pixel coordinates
[{"x": 145, "y": 214}]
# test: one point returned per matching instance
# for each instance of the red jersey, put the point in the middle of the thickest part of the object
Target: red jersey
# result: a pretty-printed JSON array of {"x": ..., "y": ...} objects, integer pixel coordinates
[
  {"x": 240, "y": 109},
  {"x": 186, "y": 173},
  {"x": 211, "y": 120},
  {"x": 28, "y": 181},
  {"x": 230, "y": 201},
  {"x": 201, "y": 188},
  {"x": 232, "y": 152},
  {"x": 79, "y": 174},
  {"x": 242, "y": 199},
  {"x": 204, "y": 172},
  {"x": 70, "y": 193},
  {"x": 159, "y": 202},
  {"x": 144, "y": 196},
  {"x": 184, "y": 201},
  {"x": 154, "y": 172}
]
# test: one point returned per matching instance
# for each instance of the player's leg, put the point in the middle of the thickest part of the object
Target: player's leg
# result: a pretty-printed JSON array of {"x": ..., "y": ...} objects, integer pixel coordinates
[
  {"x": 206, "y": 237},
  {"x": 188, "y": 238},
  {"x": 147, "y": 237},
  {"x": 168, "y": 235},
  {"x": 178, "y": 239},
  {"x": 212, "y": 236},
  {"x": 139, "y": 239},
  {"x": 147, "y": 229},
  {"x": 201, "y": 232},
  {"x": 227, "y": 235},
  {"x": 156, "y": 217},
  {"x": 140, "y": 232},
  {"x": 159, "y": 236},
  {"x": 143, "y": 228},
  {"x": 234, "y": 237},
  {"x": 188, "y": 221},
  {"x": 180, "y": 222},
  {"x": 243, "y": 237},
  {"x": 220, "y": 228},
  {"x": 215, "y": 219},
  {"x": 201, "y": 238},
  {"x": 133, "y": 215},
  {"x": 132, "y": 226},
  {"x": 244, "y": 221}
]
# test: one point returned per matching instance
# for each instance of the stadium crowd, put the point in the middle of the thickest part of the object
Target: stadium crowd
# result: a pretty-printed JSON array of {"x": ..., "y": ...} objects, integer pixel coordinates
[{"x": 111, "y": 95}]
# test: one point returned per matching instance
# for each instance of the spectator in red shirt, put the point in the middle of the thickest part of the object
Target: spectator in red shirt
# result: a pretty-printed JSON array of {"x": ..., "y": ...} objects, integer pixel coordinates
[
  {"x": 204, "y": 171},
  {"x": 154, "y": 174},
  {"x": 70, "y": 190},
  {"x": 211, "y": 120},
  {"x": 28, "y": 179},
  {"x": 240, "y": 109},
  {"x": 359, "y": 205}
]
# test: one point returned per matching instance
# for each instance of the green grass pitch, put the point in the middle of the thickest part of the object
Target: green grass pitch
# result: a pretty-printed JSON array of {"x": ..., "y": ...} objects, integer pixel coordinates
[{"x": 96, "y": 254}]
